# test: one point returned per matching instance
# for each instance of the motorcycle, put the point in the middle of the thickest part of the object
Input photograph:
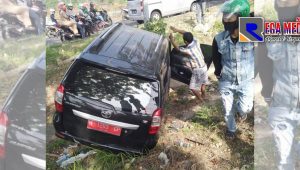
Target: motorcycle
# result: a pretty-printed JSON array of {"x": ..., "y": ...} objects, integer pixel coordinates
[
  {"x": 12, "y": 27},
  {"x": 67, "y": 33},
  {"x": 105, "y": 16},
  {"x": 53, "y": 31},
  {"x": 62, "y": 32},
  {"x": 100, "y": 20}
]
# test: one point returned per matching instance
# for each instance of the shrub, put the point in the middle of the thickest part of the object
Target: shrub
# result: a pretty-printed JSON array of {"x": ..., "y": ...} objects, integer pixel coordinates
[{"x": 158, "y": 27}]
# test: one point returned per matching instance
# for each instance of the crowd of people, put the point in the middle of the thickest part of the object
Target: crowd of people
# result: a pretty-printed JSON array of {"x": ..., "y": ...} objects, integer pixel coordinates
[{"x": 81, "y": 22}]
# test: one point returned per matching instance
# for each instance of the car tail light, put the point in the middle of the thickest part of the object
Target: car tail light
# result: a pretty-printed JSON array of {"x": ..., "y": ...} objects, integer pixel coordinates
[
  {"x": 142, "y": 5},
  {"x": 156, "y": 121},
  {"x": 59, "y": 98},
  {"x": 3, "y": 132}
]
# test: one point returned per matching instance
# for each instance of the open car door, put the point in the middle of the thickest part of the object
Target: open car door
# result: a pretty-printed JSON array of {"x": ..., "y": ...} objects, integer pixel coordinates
[{"x": 181, "y": 69}]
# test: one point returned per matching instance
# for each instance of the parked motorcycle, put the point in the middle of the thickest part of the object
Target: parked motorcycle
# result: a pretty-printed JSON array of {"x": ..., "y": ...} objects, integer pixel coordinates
[
  {"x": 62, "y": 32},
  {"x": 105, "y": 16},
  {"x": 53, "y": 31},
  {"x": 12, "y": 27}
]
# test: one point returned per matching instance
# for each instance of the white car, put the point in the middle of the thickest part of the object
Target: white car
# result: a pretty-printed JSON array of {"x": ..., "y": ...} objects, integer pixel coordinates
[{"x": 140, "y": 10}]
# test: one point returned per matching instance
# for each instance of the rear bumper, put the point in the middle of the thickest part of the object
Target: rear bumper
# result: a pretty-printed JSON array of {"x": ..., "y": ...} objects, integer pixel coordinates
[
  {"x": 113, "y": 147},
  {"x": 135, "y": 17},
  {"x": 97, "y": 145},
  {"x": 61, "y": 133},
  {"x": 128, "y": 16}
]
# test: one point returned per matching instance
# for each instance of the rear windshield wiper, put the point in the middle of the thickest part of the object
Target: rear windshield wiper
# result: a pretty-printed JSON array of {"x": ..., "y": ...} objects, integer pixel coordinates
[{"x": 116, "y": 71}]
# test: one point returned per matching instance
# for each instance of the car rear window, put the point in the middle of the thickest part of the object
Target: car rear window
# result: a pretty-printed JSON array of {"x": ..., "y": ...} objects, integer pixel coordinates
[{"x": 124, "y": 92}]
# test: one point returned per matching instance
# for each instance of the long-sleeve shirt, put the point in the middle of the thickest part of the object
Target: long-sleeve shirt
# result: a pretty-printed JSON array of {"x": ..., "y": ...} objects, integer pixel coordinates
[{"x": 216, "y": 57}]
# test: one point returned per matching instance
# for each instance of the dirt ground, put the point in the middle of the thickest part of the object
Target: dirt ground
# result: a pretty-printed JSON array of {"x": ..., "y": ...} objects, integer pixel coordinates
[{"x": 192, "y": 136}]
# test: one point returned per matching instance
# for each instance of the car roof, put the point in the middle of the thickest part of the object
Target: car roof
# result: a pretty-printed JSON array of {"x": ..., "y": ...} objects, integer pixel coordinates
[{"x": 128, "y": 49}]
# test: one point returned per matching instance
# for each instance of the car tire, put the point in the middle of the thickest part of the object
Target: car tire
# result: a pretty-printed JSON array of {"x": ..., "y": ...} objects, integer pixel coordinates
[
  {"x": 152, "y": 142},
  {"x": 155, "y": 15},
  {"x": 57, "y": 122},
  {"x": 193, "y": 7},
  {"x": 140, "y": 21}
]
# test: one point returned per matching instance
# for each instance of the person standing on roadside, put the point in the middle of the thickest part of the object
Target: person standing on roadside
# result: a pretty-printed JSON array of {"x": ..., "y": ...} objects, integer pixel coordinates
[
  {"x": 234, "y": 66},
  {"x": 200, "y": 11}
]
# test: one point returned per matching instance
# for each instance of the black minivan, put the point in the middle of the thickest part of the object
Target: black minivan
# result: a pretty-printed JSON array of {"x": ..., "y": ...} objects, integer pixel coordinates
[
  {"x": 22, "y": 121},
  {"x": 113, "y": 94}
]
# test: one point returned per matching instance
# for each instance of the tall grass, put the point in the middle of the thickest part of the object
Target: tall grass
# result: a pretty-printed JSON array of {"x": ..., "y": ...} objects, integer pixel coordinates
[
  {"x": 15, "y": 53},
  {"x": 60, "y": 52}
]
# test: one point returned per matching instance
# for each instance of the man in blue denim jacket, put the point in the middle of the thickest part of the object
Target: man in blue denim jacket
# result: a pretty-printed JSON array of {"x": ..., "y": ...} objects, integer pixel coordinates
[
  {"x": 234, "y": 64},
  {"x": 284, "y": 112}
]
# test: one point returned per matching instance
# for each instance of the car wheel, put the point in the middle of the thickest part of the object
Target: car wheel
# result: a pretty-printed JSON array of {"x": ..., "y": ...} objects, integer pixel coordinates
[
  {"x": 155, "y": 15},
  {"x": 151, "y": 143},
  {"x": 140, "y": 21},
  {"x": 194, "y": 7}
]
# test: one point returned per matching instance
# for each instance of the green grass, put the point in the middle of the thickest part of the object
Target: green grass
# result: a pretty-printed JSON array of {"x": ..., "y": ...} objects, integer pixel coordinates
[
  {"x": 102, "y": 160},
  {"x": 182, "y": 90},
  {"x": 15, "y": 53},
  {"x": 60, "y": 52},
  {"x": 209, "y": 115},
  {"x": 56, "y": 144},
  {"x": 107, "y": 160}
]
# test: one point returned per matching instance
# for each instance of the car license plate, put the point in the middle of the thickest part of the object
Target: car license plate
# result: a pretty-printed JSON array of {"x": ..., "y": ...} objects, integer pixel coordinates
[{"x": 94, "y": 125}]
